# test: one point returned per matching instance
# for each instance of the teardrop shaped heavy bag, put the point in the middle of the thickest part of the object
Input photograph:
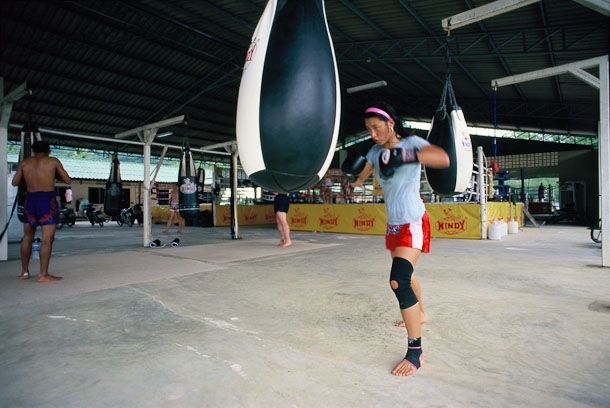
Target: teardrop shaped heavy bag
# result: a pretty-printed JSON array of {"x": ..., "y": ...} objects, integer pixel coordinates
[
  {"x": 114, "y": 187},
  {"x": 200, "y": 184},
  {"x": 288, "y": 108},
  {"x": 187, "y": 186},
  {"x": 449, "y": 131},
  {"x": 29, "y": 135}
]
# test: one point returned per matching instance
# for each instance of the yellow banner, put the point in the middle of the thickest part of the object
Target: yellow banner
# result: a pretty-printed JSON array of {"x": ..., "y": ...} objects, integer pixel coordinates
[
  {"x": 349, "y": 218},
  {"x": 246, "y": 215},
  {"x": 501, "y": 211},
  {"x": 161, "y": 214},
  {"x": 455, "y": 220}
]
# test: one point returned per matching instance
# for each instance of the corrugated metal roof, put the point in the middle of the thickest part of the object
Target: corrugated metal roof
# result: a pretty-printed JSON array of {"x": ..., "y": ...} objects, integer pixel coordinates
[
  {"x": 89, "y": 169},
  {"x": 103, "y": 67}
]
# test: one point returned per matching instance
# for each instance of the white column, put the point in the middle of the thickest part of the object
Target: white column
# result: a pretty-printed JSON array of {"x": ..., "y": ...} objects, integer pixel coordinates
[
  {"x": 604, "y": 158},
  {"x": 147, "y": 136},
  {"x": 6, "y": 114},
  {"x": 482, "y": 192}
]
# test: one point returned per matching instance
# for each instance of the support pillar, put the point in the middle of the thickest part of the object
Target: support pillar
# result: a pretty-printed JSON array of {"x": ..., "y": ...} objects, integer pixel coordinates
[
  {"x": 147, "y": 134},
  {"x": 234, "y": 214},
  {"x": 6, "y": 108},
  {"x": 482, "y": 191},
  {"x": 604, "y": 157}
]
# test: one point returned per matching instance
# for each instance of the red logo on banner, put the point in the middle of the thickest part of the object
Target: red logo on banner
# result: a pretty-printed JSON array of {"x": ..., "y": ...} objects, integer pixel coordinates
[
  {"x": 364, "y": 221},
  {"x": 298, "y": 218},
  {"x": 329, "y": 220},
  {"x": 451, "y": 224}
]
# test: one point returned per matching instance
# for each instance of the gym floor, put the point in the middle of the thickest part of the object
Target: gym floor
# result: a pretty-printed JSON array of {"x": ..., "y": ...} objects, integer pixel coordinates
[{"x": 521, "y": 322}]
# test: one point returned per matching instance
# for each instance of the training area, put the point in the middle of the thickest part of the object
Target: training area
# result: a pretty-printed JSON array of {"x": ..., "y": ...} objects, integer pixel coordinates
[
  {"x": 517, "y": 322},
  {"x": 229, "y": 203}
]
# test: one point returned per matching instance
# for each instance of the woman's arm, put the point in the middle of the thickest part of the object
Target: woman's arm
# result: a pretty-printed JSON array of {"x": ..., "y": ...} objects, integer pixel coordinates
[
  {"x": 364, "y": 174},
  {"x": 433, "y": 156}
]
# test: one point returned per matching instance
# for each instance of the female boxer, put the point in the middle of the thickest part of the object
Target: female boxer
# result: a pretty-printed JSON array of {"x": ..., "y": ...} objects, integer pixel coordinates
[{"x": 396, "y": 159}]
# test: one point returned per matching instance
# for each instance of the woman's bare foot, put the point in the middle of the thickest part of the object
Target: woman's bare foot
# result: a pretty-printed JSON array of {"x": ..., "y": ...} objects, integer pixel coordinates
[
  {"x": 286, "y": 244},
  {"x": 281, "y": 243},
  {"x": 424, "y": 319},
  {"x": 48, "y": 278},
  {"x": 24, "y": 275},
  {"x": 404, "y": 368}
]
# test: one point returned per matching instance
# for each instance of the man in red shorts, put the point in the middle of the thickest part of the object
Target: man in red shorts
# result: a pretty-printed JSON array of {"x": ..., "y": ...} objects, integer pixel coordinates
[{"x": 40, "y": 206}]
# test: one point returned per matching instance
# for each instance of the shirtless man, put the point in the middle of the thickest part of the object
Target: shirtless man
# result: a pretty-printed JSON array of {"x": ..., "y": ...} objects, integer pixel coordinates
[
  {"x": 40, "y": 206},
  {"x": 174, "y": 209}
]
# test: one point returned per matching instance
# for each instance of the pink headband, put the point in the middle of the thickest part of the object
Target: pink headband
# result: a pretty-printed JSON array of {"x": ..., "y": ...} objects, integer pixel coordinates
[{"x": 379, "y": 112}]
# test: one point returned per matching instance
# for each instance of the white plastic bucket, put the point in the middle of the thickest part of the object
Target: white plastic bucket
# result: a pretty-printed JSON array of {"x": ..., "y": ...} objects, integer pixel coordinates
[
  {"x": 513, "y": 227},
  {"x": 494, "y": 231}
]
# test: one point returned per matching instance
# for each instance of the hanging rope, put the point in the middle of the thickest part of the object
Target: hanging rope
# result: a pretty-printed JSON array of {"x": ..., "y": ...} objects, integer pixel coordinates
[
  {"x": 448, "y": 87},
  {"x": 495, "y": 123}
]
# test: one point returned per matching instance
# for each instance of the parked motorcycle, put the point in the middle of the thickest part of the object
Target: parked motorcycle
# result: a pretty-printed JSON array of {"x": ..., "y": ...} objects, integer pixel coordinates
[
  {"x": 127, "y": 216},
  {"x": 94, "y": 216},
  {"x": 66, "y": 216}
]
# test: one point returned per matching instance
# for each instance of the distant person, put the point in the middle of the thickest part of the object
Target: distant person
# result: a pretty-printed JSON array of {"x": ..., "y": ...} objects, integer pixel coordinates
[
  {"x": 326, "y": 185},
  {"x": 541, "y": 192},
  {"x": 40, "y": 206},
  {"x": 174, "y": 209},
  {"x": 84, "y": 203},
  {"x": 281, "y": 203}
]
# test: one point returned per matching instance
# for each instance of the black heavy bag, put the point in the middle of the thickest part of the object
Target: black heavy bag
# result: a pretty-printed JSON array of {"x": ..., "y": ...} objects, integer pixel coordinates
[
  {"x": 187, "y": 186},
  {"x": 353, "y": 165},
  {"x": 288, "y": 108},
  {"x": 114, "y": 187},
  {"x": 200, "y": 184},
  {"x": 29, "y": 135},
  {"x": 449, "y": 131}
]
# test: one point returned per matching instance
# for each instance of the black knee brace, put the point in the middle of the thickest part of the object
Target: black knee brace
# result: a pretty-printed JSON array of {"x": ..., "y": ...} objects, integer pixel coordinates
[{"x": 401, "y": 273}]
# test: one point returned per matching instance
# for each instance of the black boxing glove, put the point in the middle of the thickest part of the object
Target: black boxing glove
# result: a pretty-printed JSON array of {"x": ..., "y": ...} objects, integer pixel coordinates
[{"x": 390, "y": 159}]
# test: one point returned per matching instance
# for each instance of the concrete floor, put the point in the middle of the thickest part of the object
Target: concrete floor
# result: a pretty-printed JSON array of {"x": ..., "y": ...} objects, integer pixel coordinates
[{"x": 520, "y": 322}]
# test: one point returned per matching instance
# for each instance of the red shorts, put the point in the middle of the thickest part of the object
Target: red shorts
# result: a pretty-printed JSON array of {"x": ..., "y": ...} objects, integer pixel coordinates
[{"x": 413, "y": 235}]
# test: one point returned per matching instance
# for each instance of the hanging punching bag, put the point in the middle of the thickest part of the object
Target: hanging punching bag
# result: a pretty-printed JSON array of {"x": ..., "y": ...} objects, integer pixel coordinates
[
  {"x": 200, "y": 184},
  {"x": 288, "y": 108},
  {"x": 29, "y": 135},
  {"x": 449, "y": 131},
  {"x": 187, "y": 185},
  {"x": 114, "y": 187}
]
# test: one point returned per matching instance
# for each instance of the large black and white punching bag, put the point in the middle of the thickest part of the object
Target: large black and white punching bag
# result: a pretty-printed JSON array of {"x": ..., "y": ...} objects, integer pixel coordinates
[
  {"x": 29, "y": 135},
  {"x": 288, "y": 108},
  {"x": 449, "y": 131},
  {"x": 200, "y": 184},
  {"x": 187, "y": 185},
  {"x": 114, "y": 188}
]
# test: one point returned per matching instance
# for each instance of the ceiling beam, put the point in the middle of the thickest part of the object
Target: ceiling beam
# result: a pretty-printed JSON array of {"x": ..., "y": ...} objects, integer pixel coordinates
[
  {"x": 601, "y": 6},
  {"x": 480, "y": 13},
  {"x": 546, "y": 72}
]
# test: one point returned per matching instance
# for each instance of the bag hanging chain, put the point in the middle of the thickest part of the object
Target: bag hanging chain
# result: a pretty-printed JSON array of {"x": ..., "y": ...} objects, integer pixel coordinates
[{"x": 448, "y": 87}]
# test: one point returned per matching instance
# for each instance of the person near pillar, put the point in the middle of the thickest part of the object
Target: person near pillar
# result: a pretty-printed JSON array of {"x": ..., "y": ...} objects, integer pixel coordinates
[
  {"x": 40, "y": 208},
  {"x": 174, "y": 209},
  {"x": 281, "y": 203}
]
